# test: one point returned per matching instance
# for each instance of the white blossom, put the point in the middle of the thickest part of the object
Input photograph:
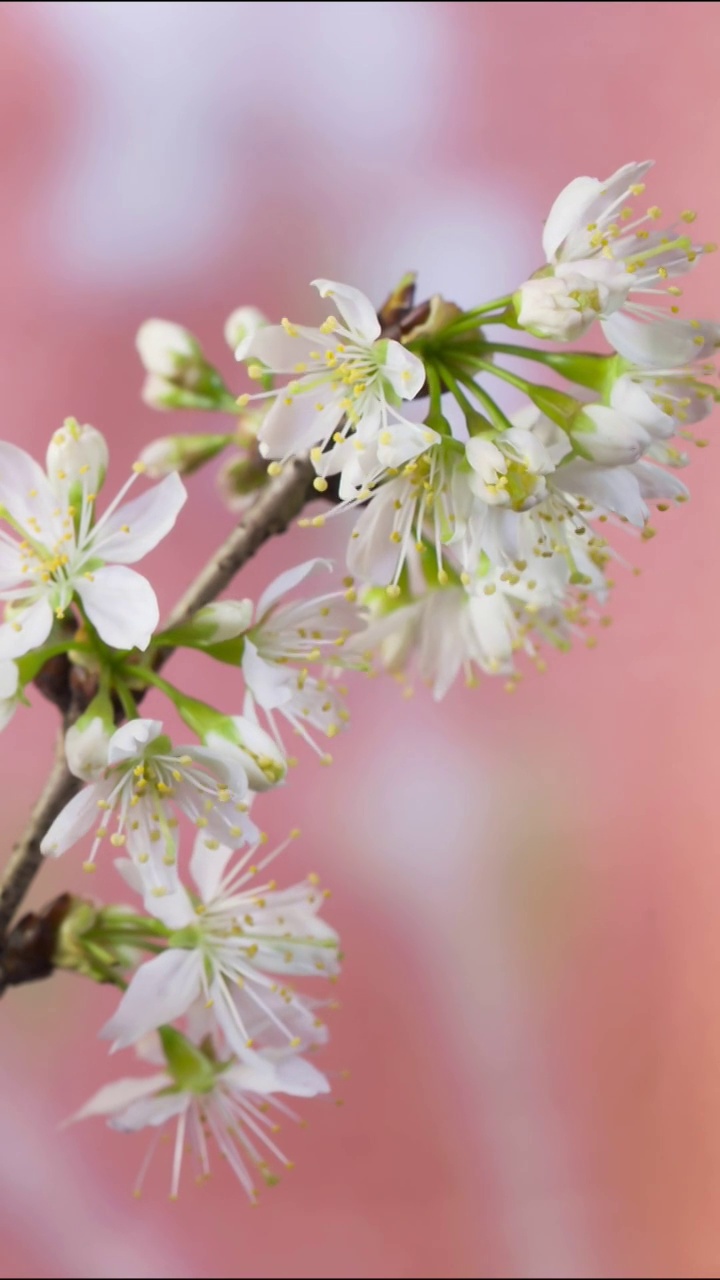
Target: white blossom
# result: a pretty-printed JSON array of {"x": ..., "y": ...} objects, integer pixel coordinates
[
  {"x": 145, "y": 782},
  {"x": 423, "y": 510},
  {"x": 612, "y": 261},
  {"x": 210, "y": 1102},
  {"x": 347, "y": 378},
  {"x": 230, "y": 946},
  {"x": 56, "y": 549},
  {"x": 286, "y": 633}
]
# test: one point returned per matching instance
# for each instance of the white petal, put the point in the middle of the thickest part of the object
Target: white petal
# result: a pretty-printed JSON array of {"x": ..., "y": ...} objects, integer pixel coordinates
[
  {"x": 207, "y": 867},
  {"x": 254, "y": 743},
  {"x": 282, "y": 351},
  {"x": 611, "y": 489},
  {"x": 26, "y": 492},
  {"x": 121, "y": 604},
  {"x": 583, "y": 201},
  {"x": 73, "y": 822},
  {"x": 567, "y": 213},
  {"x": 131, "y": 739},
  {"x": 28, "y": 630},
  {"x": 86, "y": 749},
  {"x": 11, "y": 560},
  {"x": 9, "y": 678},
  {"x": 152, "y": 1111},
  {"x": 402, "y": 441},
  {"x": 657, "y": 485},
  {"x": 356, "y": 310},
  {"x": 224, "y": 764},
  {"x": 160, "y": 991},
  {"x": 131, "y": 874},
  {"x": 118, "y": 1095},
  {"x": 659, "y": 344},
  {"x": 613, "y": 439},
  {"x": 148, "y": 519},
  {"x": 292, "y": 1075},
  {"x": 287, "y": 582},
  {"x": 174, "y": 908},
  {"x": 371, "y": 555},
  {"x": 295, "y": 424},
  {"x": 633, "y": 400},
  {"x": 404, "y": 371},
  {"x": 269, "y": 682}
]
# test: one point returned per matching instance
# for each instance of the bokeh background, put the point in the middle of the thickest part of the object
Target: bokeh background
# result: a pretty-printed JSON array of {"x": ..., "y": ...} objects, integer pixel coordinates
[{"x": 528, "y": 886}]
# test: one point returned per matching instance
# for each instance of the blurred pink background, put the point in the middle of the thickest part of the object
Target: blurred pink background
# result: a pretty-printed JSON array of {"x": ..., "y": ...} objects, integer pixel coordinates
[{"x": 527, "y": 886}]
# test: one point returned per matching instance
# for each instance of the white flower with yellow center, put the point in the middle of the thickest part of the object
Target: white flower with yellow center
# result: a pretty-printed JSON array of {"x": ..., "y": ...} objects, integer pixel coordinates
[
  {"x": 284, "y": 634},
  {"x": 605, "y": 262},
  {"x": 423, "y": 510},
  {"x": 455, "y": 629},
  {"x": 233, "y": 945},
  {"x": 144, "y": 784},
  {"x": 212, "y": 1102},
  {"x": 53, "y": 548},
  {"x": 509, "y": 470},
  {"x": 348, "y": 379}
]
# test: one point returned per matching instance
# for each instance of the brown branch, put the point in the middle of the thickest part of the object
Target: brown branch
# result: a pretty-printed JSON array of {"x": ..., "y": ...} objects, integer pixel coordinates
[{"x": 270, "y": 514}]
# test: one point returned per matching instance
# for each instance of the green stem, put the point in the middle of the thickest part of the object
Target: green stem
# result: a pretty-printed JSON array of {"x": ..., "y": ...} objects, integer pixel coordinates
[
  {"x": 525, "y": 353},
  {"x": 148, "y": 676},
  {"x": 435, "y": 390},
  {"x": 452, "y": 386},
  {"x": 486, "y": 366},
  {"x": 127, "y": 701},
  {"x": 499, "y": 419}
]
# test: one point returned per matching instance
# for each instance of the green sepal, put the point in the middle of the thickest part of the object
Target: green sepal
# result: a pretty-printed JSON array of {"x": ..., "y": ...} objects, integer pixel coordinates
[{"x": 189, "y": 1067}]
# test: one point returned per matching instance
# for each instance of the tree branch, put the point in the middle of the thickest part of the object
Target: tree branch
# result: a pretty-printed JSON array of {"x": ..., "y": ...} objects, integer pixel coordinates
[{"x": 270, "y": 514}]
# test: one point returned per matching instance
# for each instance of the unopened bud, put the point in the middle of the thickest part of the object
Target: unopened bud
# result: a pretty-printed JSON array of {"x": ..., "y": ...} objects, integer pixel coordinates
[
  {"x": 87, "y": 741},
  {"x": 241, "y": 327},
  {"x": 182, "y": 453},
  {"x": 77, "y": 459},
  {"x": 167, "y": 349},
  {"x": 222, "y": 620}
]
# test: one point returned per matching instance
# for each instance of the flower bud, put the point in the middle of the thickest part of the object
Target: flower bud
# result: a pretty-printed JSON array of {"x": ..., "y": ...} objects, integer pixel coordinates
[
  {"x": 241, "y": 477},
  {"x": 223, "y": 620},
  {"x": 168, "y": 350},
  {"x": 77, "y": 458},
  {"x": 603, "y": 435},
  {"x": 92, "y": 940},
  {"x": 182, "y": 453},
  {"x": 558, "y": 309},
  {"x": 87, "y": 741},
  {"x": 241, "y": 327}
]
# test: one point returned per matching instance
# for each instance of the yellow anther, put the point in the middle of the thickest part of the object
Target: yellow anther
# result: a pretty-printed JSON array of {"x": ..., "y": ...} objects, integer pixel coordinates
[
  {"x": 138, "y": 468},
  {"x": 320, "y": 484}
]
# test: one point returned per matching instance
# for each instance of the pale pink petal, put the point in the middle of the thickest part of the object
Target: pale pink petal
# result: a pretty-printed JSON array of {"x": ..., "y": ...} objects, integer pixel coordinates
[{"x": 74, "y": 821}]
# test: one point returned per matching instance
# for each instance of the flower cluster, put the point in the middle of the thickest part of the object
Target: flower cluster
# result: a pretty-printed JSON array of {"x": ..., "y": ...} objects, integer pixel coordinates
[
  {"x": 481, "y": 533},
  {"x": 477, "y": 530},
  {"x": 213, "y": 1006}
]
